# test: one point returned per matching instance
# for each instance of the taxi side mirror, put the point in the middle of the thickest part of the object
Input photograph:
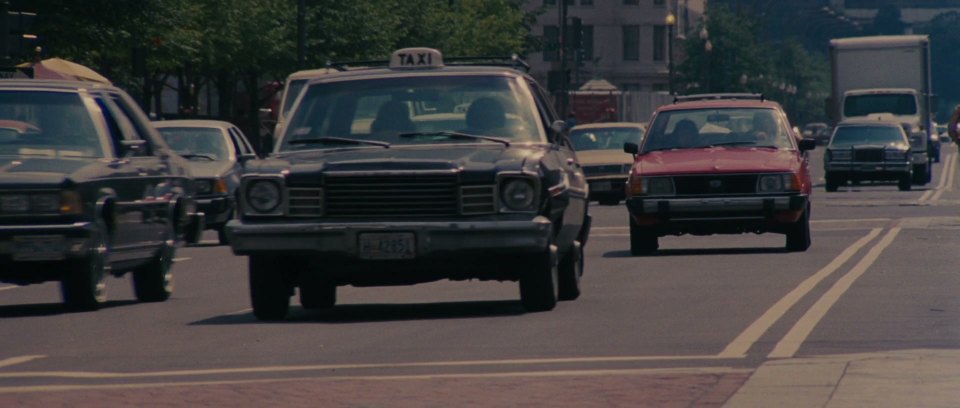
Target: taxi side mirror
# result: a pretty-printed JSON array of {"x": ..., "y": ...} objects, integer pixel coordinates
[
  {"x": 807, "y": 145},
  {"x": 631, "y": 148}
]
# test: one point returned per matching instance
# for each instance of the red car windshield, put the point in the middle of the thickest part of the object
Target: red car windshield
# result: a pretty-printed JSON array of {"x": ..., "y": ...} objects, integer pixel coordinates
[{"x": 730, "y": 127}]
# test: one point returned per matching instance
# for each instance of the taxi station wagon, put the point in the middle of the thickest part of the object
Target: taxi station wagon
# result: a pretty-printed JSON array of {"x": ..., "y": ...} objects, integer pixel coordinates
[{"x": 420, "y": 170}]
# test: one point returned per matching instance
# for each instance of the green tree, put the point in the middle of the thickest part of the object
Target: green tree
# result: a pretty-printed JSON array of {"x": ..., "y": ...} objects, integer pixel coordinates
[{"x": 945, "y": 58}]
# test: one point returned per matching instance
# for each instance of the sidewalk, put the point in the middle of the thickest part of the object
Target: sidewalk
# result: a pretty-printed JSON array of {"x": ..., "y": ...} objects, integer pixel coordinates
[{"x": 909, "y": 378}]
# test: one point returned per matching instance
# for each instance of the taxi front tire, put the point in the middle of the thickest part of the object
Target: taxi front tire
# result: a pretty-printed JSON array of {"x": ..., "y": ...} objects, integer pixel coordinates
[
  {"x": 538, "y": 285},
  {"x": 569, "y": 273}
]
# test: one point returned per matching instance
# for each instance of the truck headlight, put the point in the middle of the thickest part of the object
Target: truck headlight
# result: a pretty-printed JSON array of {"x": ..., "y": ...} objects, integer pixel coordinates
[
  {"x": 518, "y": 194},
  {"x": 774, "y": 183},
  {"x": 263, "y": 196}
]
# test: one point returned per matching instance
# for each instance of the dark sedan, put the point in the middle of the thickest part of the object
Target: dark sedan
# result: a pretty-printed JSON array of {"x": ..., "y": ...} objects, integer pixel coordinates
[
  {"x": 217, "y": 151},
  {"x": 87, "y": 189}
]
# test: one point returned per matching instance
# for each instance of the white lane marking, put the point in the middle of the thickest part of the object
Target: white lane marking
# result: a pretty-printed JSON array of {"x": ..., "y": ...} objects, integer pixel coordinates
[
  {"x": 182, "y": 259},
  {"x": 837, "y": 220},
  {"x": 327, "y": 367},
  {"x": 531, "y": 374},
  {"x": 19, "y": 360},
  {"x": 741, "y": 344},
  {"x": 946, "y": 177},
  {"x": 788, "y": 346},
  {"x": 8, "y": 287}
]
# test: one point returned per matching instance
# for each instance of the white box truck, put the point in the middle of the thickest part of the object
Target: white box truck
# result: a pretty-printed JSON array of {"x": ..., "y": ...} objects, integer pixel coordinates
[{"x": 886, "y": 75}]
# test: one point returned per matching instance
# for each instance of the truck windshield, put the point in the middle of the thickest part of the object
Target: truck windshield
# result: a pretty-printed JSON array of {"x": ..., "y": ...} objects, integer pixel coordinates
[{"x": 863, "y": 105}]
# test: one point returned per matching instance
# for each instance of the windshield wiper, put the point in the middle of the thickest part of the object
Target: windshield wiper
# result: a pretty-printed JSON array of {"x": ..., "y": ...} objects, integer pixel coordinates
[
  {"x": 342, "y": 140},
  {"x": 201, "y": 155},
  {"x": 734, "y": 143},
  {"x": 457, "y": 135}
]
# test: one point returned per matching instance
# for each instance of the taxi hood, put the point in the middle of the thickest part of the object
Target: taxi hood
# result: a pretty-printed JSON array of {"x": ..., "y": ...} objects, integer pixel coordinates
[
  {"x": 717, "y": 160},
  {"x": 455, "y": 157}
]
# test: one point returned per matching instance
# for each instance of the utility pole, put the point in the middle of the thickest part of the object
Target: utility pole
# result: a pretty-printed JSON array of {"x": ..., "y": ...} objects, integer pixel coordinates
[
  {"x": 565, "y": 82},
  {"x": 301, "y": 33}
]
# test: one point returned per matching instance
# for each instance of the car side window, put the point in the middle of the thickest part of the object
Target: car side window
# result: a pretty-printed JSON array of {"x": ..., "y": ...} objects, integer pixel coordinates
[
  {"x": 237, "y": 140},
  {"x": 122, "y": 128}
]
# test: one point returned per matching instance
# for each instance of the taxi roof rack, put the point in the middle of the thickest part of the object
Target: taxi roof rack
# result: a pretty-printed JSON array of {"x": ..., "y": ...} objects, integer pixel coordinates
[
  {"x": 513, "y": 61},
  {"x": 719, "y": 96}
]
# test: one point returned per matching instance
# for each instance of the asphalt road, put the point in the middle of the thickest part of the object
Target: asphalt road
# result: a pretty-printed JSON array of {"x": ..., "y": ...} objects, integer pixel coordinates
[{"x": 685, "y": 327}]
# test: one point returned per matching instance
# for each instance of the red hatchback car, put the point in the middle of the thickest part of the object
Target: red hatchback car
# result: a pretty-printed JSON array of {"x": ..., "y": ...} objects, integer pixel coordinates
[{"x": 719, "y": 164}]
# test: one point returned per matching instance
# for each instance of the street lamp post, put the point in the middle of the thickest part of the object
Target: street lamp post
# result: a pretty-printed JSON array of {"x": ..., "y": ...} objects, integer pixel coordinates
[{"x": 671, "y": 20}]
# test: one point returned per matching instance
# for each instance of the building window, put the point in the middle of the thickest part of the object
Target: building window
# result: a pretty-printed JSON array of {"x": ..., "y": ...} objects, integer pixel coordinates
[
  {"x": 659, "y": 3},
  {"x": 551, "y": 43},
  {"x": 659, "y": 43},
  {"x": 631, "y": 2},
  {"x": 631, "y": 43}
]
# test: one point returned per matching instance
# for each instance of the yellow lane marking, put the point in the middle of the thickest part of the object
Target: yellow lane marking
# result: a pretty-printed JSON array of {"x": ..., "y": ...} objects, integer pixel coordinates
[
  {"x": 790, "y": 343},
  {"x": 741, "y": 344},
  {"x": 531, "y": 374},
  {"x": 322, "y": 367},
  {"x": 18, "y": 360}
]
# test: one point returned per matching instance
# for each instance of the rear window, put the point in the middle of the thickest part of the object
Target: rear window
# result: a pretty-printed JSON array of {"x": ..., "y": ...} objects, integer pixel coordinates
[{"x": 604, "y": 138}]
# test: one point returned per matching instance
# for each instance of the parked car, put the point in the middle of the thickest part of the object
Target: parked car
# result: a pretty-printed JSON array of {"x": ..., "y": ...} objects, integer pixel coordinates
[
  {"x": 217, "y": 151},
  {"x": 87, "y": 189},
  {"x": 599, "y": 148},
  {"x": 417, "y": 171},
  {"x": 868, "y": 150},
  {"x": 815, "y": 130},
  {"x": 719, "y": 164}
]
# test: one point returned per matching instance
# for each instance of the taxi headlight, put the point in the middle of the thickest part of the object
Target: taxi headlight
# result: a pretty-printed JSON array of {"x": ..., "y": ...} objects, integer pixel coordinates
[
  {"x": 518, "y": 194},
  {"x": 657, "y": 186},
  {"x": 773, "y": 183},
  {"x": 263, "y": 196}
]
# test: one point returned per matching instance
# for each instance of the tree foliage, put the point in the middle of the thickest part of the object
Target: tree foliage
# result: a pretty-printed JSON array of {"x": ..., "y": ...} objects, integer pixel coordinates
[{"x": 738, "y": 59}]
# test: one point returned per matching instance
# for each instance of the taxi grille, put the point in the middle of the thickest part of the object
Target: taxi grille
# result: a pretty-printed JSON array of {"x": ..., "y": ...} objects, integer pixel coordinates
[
  {"x": 392, "y": 196},
  {"x": 716, "y": 184},
  {"x": 305, "y": 202},
  {"x": 868, "y": 155}
]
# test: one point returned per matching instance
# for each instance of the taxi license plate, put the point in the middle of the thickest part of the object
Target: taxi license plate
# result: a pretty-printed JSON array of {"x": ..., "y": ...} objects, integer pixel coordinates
[
  {"x": 39, "y": 248},
  {"x": 605, "y": 185},
  {"x": 396, "y": 245}
]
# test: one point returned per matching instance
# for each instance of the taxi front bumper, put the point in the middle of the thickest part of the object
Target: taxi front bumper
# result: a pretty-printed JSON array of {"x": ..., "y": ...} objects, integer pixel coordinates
[{"x": 434, "y": 238}]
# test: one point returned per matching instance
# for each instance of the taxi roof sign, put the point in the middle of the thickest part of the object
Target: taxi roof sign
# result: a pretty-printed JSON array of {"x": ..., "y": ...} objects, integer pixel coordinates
[{"x": 416, "y": 58}]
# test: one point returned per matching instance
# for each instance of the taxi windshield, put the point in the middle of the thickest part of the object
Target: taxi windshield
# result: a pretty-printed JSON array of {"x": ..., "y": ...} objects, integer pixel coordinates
[
  {"x": 726, "y": 127},
  {"x": 413, "y": 110},
  {"x": 53, "y": 124}
]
